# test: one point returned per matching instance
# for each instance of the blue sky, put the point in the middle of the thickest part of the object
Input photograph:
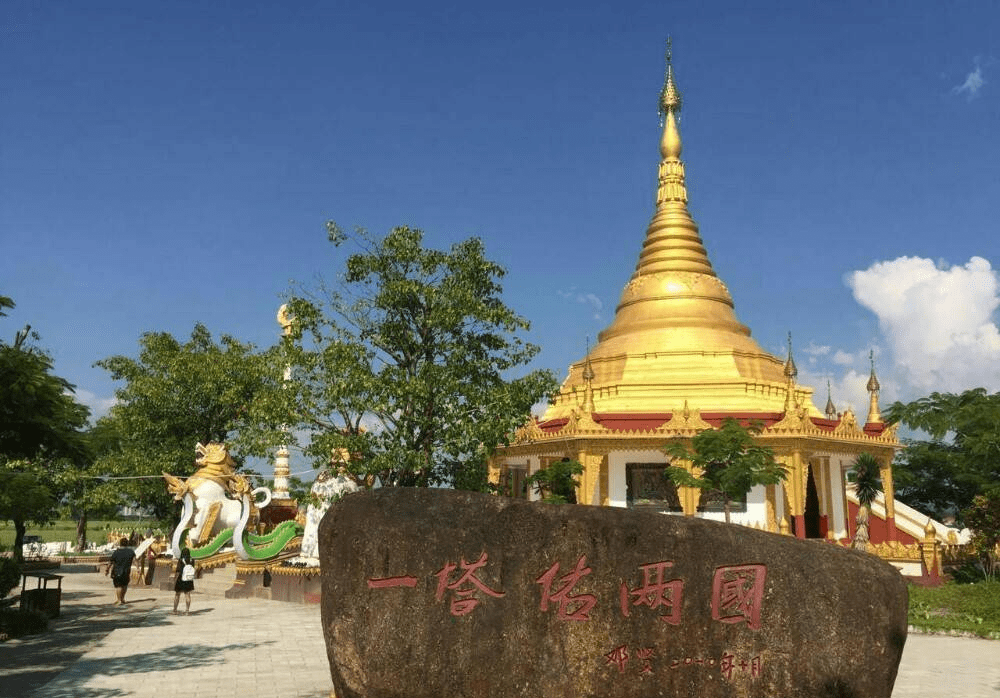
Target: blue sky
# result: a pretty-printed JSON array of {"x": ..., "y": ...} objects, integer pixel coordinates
[{"x": 172, "y": 163}]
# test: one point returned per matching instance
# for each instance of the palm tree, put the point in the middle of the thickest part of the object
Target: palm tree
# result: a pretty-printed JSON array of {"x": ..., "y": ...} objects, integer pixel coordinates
[{"x": 866, "y": 488}]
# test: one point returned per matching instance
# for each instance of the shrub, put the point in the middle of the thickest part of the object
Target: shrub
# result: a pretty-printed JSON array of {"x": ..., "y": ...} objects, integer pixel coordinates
[
  {"x": 10, "y": 575},
  {"x": 14, "y": 622}
]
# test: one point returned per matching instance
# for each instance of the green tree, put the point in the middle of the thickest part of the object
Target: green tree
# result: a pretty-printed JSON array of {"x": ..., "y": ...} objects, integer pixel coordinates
[
  {"x": 730, "y": 461},
  {"x": 557, "y": 482},
  {"x": 406, "y": 364},
  {"x": 941, "y": 476},
  {"x": 40, "y": 432},
  {"x": 866, "y": 489},
  {"x": 175, "y": 395},
  {"x": 983, "y": 518}
]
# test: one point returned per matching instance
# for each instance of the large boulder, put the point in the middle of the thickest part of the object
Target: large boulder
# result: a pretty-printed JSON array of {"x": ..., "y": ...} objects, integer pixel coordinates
[{"x": 443, "y": 593}]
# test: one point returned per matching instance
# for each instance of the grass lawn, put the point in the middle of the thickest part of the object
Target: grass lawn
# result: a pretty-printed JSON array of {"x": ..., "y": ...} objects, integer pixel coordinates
[
  {"x": 968, "y": 608},
  {"x": 65, "y": 529}
]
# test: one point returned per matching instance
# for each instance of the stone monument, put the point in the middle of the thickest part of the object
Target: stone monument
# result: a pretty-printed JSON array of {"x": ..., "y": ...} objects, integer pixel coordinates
[{"x": 448, "y": 593}]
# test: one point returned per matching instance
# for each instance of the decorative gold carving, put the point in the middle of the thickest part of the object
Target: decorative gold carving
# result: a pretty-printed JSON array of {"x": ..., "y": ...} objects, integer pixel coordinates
[
  {"x": 796, "y": 419},
  {"x": 685, "y": 420},
  {"x": 176, "y": 486},
  {"x": 772, "y": 520},
  {"x": 215, "y": 464},
  {"x": 894, "y": 550},
  {"x": 210, "y": 519},
  {"x": 580, "y": 423},
  {"x": 848, "y": 424},
  {"x": 529, "y": 432}
]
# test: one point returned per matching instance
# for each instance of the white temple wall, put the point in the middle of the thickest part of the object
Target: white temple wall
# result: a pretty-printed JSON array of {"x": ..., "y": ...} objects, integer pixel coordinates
[{"x": 755, "y": 514}]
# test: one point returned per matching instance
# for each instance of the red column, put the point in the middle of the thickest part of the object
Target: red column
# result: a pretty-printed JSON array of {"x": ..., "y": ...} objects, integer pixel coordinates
[{"x": 800, "y": 526}]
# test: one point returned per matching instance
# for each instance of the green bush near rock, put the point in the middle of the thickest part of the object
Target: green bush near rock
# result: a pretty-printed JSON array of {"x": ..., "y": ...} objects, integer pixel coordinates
[{"x": 972, "y": 609}]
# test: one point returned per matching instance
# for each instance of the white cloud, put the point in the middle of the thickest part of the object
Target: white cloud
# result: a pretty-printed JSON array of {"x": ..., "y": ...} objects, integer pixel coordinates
[
  {"x": 936, "y": 321},
  {"x": 846, "y": 390},
  {"x": 974, "y": 81},
  {"x": 842, "y": 358},
  {"x": 99, "y": 406},
  {"x": 816, "y": 350},
  {"x": 585, "y": 298}
]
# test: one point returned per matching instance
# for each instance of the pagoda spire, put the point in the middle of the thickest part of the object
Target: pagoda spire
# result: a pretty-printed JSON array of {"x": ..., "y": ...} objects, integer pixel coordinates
[
  {"x": 874, "y": 416},
  {"x": 791, "y": 373},
  {"x": 831, "y": 409},
  {"x": 674, "y": 284},
  {"x": 588, "y": 378},
  {"x": 672, "y": 240},
  {"x": 675, "y": 335}
]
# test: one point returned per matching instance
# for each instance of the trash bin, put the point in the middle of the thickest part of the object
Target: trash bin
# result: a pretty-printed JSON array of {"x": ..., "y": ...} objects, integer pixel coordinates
[{"x": 43, "y": 597}]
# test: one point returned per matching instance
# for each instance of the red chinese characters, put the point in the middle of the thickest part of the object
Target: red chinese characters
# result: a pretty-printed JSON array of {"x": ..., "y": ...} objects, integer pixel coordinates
[
  {"x": 644, "y": 655},
  {"x": 570, "y": 607},
  {"x": 618, "y": 657},
  {"x": 737, "y": 593},
  {"x": 465, "y": 587},
  {"x": 655, "y": 593},
  {"x": 389, "y": 582}
]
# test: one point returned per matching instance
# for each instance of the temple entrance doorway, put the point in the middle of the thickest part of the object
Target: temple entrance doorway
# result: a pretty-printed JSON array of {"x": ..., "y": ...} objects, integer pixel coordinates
[{"x": 812, "y": 517}]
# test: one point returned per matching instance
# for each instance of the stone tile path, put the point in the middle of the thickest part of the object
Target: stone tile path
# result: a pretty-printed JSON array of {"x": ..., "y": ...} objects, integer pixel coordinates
[{"x": 245, "y": 647}]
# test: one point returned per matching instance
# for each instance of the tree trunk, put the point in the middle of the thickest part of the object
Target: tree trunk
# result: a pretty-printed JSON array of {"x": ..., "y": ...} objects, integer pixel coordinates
[
  {"x": 20, "y": 528},
  {"x": 81, "y": 532},
  {"x": 861, "y": 536},
  {"x": 725, "y": 508}
]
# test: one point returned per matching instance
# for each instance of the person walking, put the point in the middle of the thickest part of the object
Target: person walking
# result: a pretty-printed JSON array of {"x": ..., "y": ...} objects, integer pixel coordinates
[
  {"x": 120, "y": 569},
  {"x": 184, "y": 582}
]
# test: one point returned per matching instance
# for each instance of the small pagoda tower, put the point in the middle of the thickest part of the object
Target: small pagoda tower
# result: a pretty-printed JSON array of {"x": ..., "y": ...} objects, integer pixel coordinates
[{"x": 676, "y": 360}]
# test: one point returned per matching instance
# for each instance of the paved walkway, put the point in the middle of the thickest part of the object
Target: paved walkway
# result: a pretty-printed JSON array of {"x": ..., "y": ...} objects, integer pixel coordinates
[
  {"x": 248, "y": 647},
  {"x": 237, "y": 648}
]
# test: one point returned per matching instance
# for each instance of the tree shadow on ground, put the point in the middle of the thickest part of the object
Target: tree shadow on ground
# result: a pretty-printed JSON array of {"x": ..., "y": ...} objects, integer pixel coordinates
[
  {"x": 33, "y": 660},
  {"x": 174, "y": 658}
]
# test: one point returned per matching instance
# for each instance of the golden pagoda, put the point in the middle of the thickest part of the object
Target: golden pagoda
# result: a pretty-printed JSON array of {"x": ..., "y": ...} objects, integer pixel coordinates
[{"x": 676, "y": 360}]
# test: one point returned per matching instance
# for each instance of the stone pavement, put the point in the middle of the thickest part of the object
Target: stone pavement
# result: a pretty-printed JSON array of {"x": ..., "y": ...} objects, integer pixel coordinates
[
  {"x": 237, "y": 648},
  {"x": 249, "y": 647}
]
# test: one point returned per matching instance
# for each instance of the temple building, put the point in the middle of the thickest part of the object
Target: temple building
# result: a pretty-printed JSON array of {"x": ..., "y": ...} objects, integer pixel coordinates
[{"x": 676, "y": 360}]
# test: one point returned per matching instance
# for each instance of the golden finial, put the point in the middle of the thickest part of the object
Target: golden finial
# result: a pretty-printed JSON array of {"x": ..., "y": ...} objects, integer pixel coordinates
[
  {"x": 670, "y": 96},
  {"x": 874, "y": 416},
  {"x": 588, "y": 377},
  {"x": 872, "y": 379},
  {"x": 790, "y": 370},
  {"x": 588, "y": 371},
  {"x": 831, "y": 409}
]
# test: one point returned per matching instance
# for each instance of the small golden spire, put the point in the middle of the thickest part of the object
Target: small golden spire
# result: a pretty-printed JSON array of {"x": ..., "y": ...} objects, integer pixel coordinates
[
  {"x": 873, "y": 385},
  {"x": 670, "y": 96},
  {"x": 874, "y": 416},
  {"x": 588, "y": 377},
  {"x": 791, "y": 371},
  {"x": 831, "y": 409},
  {"x": 790, "y": 374}
]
